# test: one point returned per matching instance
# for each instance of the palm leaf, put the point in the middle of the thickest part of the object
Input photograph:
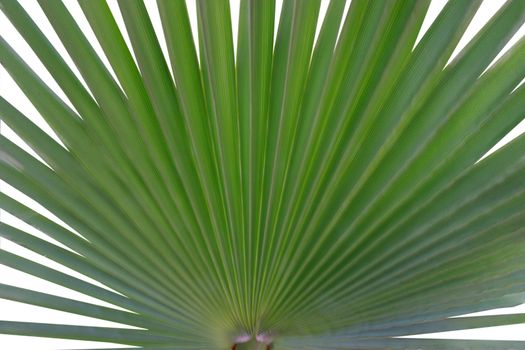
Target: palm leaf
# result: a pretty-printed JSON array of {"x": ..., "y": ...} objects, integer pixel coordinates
[{"x": 326, "y": 189}]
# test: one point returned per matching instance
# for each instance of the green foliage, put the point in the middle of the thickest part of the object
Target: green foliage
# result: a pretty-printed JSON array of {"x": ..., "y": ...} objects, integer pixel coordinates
[{"x": 309, "y": 194}]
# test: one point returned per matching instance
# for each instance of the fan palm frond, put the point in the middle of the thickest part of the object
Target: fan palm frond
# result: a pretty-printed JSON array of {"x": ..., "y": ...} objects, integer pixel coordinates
[{"x": 323, "y": 189}]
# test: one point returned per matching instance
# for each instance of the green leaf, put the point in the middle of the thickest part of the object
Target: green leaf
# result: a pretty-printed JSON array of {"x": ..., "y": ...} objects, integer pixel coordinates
[{"x": 326, "y": 188}]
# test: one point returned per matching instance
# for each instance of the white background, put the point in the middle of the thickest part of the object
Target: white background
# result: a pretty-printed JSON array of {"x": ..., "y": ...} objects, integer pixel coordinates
[{"x": 14, "y": 311}]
